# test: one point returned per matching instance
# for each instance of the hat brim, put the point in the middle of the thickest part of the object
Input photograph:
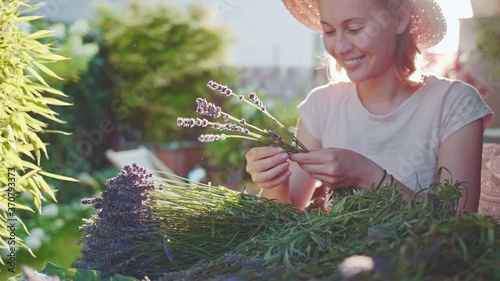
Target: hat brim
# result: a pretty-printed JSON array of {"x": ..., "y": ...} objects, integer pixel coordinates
[{"x": 429, "y": 24}]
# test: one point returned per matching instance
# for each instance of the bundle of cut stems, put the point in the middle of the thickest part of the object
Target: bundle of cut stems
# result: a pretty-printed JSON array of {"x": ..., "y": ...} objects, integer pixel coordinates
[{"x": 204, "y": 232}]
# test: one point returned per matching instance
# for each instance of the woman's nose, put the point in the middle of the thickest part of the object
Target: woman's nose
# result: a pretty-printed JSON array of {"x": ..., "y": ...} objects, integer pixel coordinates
[{"x": 343, "y": 45}]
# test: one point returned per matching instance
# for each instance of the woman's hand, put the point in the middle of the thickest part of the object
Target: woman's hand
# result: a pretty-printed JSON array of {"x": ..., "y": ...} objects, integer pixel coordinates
[
  {"x": 268, "y": 166},
  {"x": 336, "y": 167}
]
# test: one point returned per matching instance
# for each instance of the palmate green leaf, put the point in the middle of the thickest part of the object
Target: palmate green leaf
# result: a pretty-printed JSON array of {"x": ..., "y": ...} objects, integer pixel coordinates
[{"x": 74, "y": 274}]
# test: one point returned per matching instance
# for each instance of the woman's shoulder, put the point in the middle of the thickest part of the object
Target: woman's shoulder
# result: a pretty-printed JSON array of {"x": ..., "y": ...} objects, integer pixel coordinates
[{"x": 449, "y": 86}]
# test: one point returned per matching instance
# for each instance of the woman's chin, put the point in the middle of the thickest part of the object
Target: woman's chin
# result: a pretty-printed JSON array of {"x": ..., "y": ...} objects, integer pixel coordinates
[{"x": 356, "y": 76}]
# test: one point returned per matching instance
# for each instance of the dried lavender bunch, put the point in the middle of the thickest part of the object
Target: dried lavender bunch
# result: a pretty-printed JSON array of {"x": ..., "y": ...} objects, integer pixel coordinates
[
  {"x": 240, "y": 128},
  {"x": 145, "y": 227},
  {"x": 123, "y": 237}
]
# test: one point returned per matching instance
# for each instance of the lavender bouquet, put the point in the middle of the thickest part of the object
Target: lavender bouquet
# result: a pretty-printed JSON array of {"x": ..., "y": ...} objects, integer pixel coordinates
[{"x": 239, "y": 128}]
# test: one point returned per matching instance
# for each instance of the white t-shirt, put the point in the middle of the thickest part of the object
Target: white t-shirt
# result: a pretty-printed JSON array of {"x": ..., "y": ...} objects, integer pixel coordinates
[{"x": 405, "y": 141}]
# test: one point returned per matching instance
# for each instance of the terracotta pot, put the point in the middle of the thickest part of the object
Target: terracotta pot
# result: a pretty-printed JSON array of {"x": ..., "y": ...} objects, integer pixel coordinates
[
  {"x": 485, "y": 8},
  {"x": 182, "y": 159}
]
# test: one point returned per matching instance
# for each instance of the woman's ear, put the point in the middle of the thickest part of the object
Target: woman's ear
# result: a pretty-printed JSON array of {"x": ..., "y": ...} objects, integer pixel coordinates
[{"x": 404, "y": 17}]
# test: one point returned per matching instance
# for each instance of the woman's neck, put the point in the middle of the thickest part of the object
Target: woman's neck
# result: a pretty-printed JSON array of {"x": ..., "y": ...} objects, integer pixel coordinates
[{"x": 384, "y": 93}]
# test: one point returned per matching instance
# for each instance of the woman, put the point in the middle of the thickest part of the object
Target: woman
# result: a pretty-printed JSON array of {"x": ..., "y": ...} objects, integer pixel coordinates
[{"x": 389, "y": 124}]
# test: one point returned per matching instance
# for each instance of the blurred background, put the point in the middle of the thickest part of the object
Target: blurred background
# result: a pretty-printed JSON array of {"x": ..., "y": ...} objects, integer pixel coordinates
[{"x": 135, "y": 66}]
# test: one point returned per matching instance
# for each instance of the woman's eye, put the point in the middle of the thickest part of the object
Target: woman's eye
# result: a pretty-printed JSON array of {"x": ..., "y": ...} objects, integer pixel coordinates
[
  {"x": 329, "y": 32},
  {"x": 355, "y": 29}
]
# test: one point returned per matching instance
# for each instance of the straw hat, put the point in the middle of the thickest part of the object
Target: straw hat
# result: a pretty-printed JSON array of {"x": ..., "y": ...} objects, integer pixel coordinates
[{"x": 429, "y": 24}]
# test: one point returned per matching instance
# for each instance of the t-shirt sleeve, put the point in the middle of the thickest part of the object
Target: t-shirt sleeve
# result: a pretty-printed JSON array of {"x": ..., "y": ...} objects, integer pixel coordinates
[
  {"x": 310, "y": 113},
  {"x": 462, "y": 105}
]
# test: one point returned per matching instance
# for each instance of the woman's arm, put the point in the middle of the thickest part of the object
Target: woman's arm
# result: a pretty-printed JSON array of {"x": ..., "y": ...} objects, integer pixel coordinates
[{"x": 461, "y": 154}]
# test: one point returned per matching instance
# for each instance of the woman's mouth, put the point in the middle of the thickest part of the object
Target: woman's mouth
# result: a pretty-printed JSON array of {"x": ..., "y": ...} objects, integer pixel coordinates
[{"x": 353, "y": 63}]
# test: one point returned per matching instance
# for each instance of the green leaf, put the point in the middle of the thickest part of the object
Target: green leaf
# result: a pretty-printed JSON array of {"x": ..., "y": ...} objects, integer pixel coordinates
[
  {"x": 59, "y": 177},
  {"x": 51, "y": 57},
  {"x": 37, "y": 76},
  {"x": 40, "y": 34},
  {"x": 28, "y": 18},
  {"x": 46, "y": 70},
  {"x": 74, "y": 274},
  {"x": 53, "y": 101},
  {"x": 48, "y": 89}
]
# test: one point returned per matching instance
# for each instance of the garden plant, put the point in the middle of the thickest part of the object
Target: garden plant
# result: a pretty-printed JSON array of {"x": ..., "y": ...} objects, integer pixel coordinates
[{"x": 27, "y": 101}]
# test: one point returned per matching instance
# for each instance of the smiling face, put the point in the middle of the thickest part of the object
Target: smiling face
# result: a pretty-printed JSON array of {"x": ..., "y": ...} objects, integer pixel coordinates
[{"x": 361, "y": 35}]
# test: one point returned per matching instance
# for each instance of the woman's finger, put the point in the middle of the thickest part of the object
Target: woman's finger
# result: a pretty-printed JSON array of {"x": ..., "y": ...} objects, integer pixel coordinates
[
  {"x": 258, "y": 153},
  {"x": 268, "y": 175},
  {"x": 277, "y": 180},
  {"x": 267, "y": 163}
]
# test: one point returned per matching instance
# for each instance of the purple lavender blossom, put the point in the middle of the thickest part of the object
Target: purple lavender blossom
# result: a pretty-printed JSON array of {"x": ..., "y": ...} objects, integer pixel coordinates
[
  {"x": 275, "y": 135},
  {"x": 211, "y": 137},
  {"x": 256, "y": 101},
  {"x": 223, "y": 89},
  {"x": 208, "y": 108},
  {"x": 122, "y": 224}
]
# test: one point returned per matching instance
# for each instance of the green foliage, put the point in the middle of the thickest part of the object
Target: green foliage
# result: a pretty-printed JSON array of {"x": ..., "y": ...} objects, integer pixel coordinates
[
  {"x": 488, "y": 41},
  {"x": 422, "y": 240},
  {"x": 26, "y": 101},
  {"x": 73, "y": 274},
  {"x": 89, "y": 120},
  {"x": 69, "y": 41},
  {"x": 162, "y": 59}
]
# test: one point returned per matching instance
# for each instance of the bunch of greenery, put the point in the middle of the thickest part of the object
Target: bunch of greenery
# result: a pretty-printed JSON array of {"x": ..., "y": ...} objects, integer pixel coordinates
[
  {"x": 26, "y": 106},
  {"x": 160, "y": 58},
  {"x": 171, "y": 231}
]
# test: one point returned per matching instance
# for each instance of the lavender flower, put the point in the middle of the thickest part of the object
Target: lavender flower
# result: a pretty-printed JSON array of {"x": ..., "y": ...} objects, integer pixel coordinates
[
  {"x": 223, "y": 89},
  {"x": 243, "y": 129},
  {"x": 275, "y": 136},
  {"x": 211, "y": 137},
  {"x": 207, "y": 108},
  {"x": 122, "y": 223},
  {"x": 256, "y": 101}
]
